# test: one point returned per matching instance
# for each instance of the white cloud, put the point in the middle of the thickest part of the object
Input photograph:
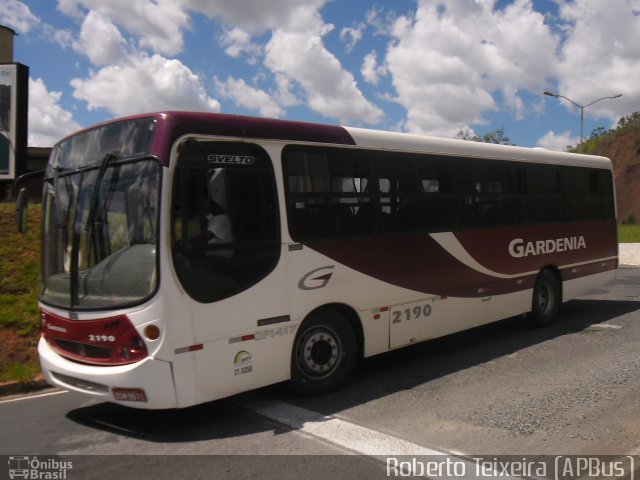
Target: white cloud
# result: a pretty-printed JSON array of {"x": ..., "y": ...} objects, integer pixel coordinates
[
  {"x": 370, "y": 70},
  {"x": 330, "y": 89},
  {"x": 158, "y": 25},
  {"x": 18, "y": 16},
  {"x": 553, "y": 141},
  {"x": 48, "y": 121},
  {"x": 351, "y": 36},
  {"x": 381, "y": 20},
  {"x": 100, "y": 40},
  {"x": 601, "y": 55},
  {"x": 257, "y": 18},
  {"x": 64, "y": 38},
  {"x": 296, "y": 53},
  {"x": 449, "y": 60},
  {"x": 286, "y": 96},
  {"x": 249, "y": 97},
  {"x": 71, "y": 8},
  {"x": 144, "y": 84},
  {"x": 237, "y": 42}
]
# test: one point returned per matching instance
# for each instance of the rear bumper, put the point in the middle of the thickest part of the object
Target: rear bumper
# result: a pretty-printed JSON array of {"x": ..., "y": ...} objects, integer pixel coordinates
[{"x": 151, "y": 376}]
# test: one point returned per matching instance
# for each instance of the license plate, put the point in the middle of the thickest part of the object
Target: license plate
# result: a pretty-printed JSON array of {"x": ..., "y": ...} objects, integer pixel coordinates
[{"x": 129, "y": 394}]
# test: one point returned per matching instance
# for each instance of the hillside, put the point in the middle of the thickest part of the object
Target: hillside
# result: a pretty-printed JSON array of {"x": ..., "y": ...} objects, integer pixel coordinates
[
  {"x": 19, "y": 319},
  {"x": 622, "y": 146}
]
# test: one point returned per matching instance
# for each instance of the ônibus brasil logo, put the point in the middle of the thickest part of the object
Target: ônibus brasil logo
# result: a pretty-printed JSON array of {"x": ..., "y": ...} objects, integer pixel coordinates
[
  {"x": 519, "y": 248},
  {"x": 35, "y": 468}
]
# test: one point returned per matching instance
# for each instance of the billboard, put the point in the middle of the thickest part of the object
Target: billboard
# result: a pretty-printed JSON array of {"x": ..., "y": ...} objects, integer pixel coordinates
[{"x": 14, "y": 93}]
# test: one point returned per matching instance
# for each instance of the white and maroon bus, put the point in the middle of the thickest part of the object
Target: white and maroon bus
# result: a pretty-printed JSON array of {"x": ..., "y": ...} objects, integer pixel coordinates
[{"x": 187, "y": 256}]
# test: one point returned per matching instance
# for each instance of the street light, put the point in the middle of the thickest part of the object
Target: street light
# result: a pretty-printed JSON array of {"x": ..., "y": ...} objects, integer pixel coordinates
[{"x": 581, "y": 107}]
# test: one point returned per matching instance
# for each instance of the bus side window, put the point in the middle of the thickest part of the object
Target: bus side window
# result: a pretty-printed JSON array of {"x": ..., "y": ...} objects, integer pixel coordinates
[
  {"x": 470, "y": 187},
  {"x": 328, "y": 193},
  {"x": 581, "y": 188},
  {"x": 436, "y": 196},
  {"x": 605, "y": 190},
  {"x": 542, "y": 200},
  {"x": 486, "y": 193},
  {"x": 398, "y": 188}
]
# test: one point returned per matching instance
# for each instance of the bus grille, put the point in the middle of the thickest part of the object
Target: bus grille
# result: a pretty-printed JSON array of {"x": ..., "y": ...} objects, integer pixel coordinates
[{"x": 102, "y": 341}]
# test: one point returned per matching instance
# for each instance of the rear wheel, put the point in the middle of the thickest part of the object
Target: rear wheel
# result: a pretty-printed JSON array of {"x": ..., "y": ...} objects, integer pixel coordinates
[
  {"x": 324, "y": 354},
  {"x": 547, "y": 297}
]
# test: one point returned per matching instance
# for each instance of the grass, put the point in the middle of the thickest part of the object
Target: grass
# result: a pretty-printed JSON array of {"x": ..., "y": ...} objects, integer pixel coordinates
[
  {"x": 629, "y": 233},
  {"x": 19, "y": 284}
]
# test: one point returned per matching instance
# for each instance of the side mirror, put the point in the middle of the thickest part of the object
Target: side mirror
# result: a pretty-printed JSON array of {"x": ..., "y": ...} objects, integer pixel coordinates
[
  {"x": 21, "y": 210},
  {"x": 23, "y": 199}
]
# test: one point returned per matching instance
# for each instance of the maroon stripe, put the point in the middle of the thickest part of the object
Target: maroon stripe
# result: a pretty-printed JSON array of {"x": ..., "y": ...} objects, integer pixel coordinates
[
  {"x": 490, "y": 247},
  {"x": 172, "y": 125},
  {"x": 417, "y": 262}
]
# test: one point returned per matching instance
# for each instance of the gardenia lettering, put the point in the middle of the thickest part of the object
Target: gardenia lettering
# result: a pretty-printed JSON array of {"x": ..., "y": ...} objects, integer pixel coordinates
[{"x": 519, "y": 248}]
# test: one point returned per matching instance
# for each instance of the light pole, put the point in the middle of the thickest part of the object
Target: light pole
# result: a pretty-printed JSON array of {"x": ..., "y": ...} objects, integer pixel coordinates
[{"x": 581, "y": 107}]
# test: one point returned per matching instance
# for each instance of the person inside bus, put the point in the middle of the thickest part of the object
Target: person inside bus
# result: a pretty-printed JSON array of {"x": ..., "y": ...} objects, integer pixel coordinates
[{"x": 219, "y": 227}]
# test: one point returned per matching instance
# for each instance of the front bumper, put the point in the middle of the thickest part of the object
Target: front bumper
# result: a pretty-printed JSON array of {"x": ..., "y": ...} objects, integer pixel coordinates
[{"x": 151, "y": 376}]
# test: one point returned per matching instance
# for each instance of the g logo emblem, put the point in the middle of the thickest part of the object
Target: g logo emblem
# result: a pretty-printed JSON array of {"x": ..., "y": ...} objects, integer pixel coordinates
[{"x": 317, "y": 278}]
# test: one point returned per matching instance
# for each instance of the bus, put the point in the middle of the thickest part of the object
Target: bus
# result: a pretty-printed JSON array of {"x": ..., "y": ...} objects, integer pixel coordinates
[{"x": 188, "y": 257}]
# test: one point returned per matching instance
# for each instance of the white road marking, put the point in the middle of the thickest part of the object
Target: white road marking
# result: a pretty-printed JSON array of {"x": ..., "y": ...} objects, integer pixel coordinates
[
  {"x": 634, "y": 452},
  {"x": 29, "y": 397},
  {"x": 349, "y": 436},
  {"x": 604, "y": 326}
]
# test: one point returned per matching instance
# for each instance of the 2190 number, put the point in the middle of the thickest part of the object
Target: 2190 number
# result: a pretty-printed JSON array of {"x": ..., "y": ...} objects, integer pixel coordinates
[{"x": 411, "y": 313}]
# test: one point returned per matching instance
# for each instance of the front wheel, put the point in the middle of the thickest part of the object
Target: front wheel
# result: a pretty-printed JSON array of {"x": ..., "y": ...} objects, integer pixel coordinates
[
  {"x": 324, "y": 354},
  {"x": 547, "y": 297}
]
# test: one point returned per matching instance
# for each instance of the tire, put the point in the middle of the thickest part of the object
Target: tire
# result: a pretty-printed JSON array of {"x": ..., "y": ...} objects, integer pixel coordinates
[
  {"x": 324, "y": 354},
  {"x": 547, "y": 298}
]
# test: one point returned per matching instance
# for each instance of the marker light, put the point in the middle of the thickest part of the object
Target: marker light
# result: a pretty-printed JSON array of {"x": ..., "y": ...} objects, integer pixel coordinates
[{"x": 152, "y": 332}]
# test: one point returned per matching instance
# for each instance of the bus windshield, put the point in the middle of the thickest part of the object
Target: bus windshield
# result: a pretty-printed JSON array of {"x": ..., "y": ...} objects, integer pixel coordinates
[{"x": 100, "y": 219}]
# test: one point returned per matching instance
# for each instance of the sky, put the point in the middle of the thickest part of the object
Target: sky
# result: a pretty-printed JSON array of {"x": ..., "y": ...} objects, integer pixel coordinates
[{"x": 419, "y": 66}]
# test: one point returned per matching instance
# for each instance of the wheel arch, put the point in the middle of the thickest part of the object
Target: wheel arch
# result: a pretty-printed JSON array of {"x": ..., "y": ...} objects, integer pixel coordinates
[
  {"x": 555, "y": 271},
  {"x": 546, "y": 298}
]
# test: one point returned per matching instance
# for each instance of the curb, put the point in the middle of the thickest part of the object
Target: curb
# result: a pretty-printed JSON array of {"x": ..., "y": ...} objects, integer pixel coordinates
[{"x": 12, "y": 388}]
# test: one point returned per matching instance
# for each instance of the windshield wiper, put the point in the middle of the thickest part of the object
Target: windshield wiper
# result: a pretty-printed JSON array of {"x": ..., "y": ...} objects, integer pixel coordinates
[
  {"x": 107, "y": 160},
  {"x": 93, "y": 206}
]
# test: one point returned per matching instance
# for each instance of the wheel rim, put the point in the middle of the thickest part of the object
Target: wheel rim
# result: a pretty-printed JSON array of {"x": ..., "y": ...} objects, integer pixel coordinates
[
  {"x": 319, "y": 351},
  {"x": 545, "y": 299}
]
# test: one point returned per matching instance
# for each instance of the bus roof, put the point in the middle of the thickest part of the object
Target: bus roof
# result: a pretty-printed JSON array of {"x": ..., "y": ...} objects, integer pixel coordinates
[
  {"x": 172, "y": 124},
  {"x": 456, "y": 147}
]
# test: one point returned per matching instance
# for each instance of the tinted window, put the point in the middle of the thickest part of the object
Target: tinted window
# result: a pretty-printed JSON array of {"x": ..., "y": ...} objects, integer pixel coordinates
[
  {"x": 485, "y": 193},
  {"x": 334, "y": 193},
  {"x": 397, "y": 182},
  {"x": 436, "y": 199},
  {"x": 328, "y": 193},
  {"x": 605, "y": 187},
  {"x": 583, "y": 193},
  {"x": 542, "y": 201}
]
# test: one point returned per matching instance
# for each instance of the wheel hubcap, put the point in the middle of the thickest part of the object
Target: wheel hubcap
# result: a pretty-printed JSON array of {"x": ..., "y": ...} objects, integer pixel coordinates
[
  {"x": 319, "y": 352},
  {"x": 545, "y": 299}
]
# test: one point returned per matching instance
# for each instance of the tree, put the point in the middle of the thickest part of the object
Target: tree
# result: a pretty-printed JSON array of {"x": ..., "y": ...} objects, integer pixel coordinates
[{"x": 497, "y": 136}]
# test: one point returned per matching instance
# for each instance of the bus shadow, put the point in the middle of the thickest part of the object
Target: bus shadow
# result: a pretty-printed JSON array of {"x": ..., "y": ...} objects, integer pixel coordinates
[
  {"x": 374, "y": 378},
  {"x": 410, "y": 367},
  {"x": 214, "y": 420}
]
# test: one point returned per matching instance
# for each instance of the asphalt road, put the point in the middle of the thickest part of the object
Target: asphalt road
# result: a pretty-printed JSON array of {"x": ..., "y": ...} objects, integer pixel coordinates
[{"x": 502, "y": 389}]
